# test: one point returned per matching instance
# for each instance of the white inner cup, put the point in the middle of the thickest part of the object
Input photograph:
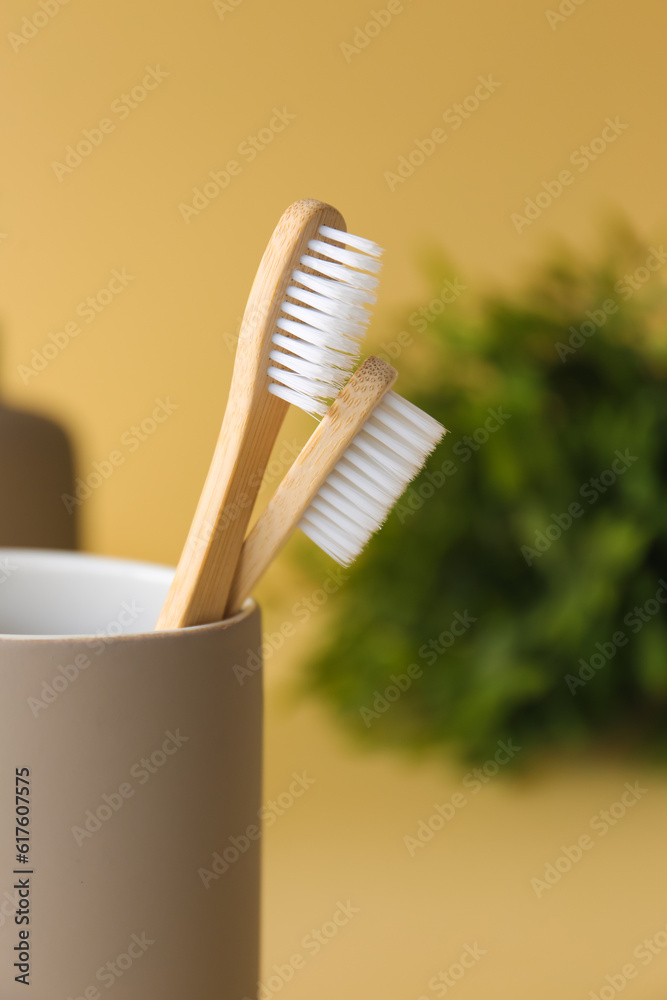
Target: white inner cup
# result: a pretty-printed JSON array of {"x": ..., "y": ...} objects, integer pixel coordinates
[{"x": 45, "y": 594}]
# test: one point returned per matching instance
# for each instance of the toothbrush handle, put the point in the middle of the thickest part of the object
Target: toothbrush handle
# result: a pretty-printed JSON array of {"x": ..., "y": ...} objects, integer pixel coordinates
[
  {"x": 325, "y": 447},
  {"x": 200, "y": 589}
]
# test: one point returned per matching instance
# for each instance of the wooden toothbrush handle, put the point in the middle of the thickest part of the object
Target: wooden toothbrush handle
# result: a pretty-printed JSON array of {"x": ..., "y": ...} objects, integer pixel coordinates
[
  {"x": 325, "y": 447},
  {"x": 200, "y": 589}
]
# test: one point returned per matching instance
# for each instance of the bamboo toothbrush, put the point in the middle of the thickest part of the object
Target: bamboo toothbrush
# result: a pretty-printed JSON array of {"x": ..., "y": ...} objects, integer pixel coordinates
[
  {"x": 299, "y": 342},
  {"x": 355, "y": 466}
]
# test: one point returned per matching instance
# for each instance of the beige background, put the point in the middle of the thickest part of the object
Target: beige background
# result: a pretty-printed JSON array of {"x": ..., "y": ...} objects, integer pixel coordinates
[{"x": 170, "y": 335}]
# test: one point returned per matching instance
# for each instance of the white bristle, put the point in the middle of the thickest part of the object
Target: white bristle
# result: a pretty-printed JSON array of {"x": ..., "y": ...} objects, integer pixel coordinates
[
  {"x": 323, "y": 320},
  {"x": 366, "y": 482},
  {"x": 358, "y": 242}
]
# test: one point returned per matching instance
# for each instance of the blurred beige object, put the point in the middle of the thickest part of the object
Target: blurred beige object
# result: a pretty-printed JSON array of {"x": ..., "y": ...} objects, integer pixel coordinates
[{"x": 37, "y": 468}]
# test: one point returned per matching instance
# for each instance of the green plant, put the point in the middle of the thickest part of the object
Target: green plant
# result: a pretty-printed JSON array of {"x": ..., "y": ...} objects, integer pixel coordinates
[{"x": 488, "y": 533}]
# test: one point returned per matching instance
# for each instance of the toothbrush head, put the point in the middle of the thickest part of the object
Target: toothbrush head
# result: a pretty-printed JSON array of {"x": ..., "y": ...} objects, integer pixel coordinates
[
  {"x": 375, "y": 469},
  {"x": 323, "y": 319}
]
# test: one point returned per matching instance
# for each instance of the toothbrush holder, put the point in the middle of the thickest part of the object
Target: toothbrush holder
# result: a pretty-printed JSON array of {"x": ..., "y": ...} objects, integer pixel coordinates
[{"x": 130, "y": 787}]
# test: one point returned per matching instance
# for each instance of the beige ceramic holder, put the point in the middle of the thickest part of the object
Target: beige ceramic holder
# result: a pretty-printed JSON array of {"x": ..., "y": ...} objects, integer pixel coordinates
[{"x": 131, "y": 769}]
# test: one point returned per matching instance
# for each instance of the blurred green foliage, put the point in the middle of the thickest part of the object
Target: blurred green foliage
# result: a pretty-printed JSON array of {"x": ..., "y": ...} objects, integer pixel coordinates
[{"x": 577, "y": 360}]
